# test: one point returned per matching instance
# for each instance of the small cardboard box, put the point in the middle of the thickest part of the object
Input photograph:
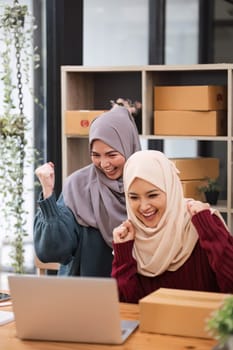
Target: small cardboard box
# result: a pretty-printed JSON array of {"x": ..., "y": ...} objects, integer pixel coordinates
[
  {"x": 78, "y": 122},
  {"x": 190, "y": 189},
  {"x": 196, "y": 168},
  {"x": 192, "y": 97},
  {"x": 178, "y": 312},
  {"x": 190, "y": 123}
]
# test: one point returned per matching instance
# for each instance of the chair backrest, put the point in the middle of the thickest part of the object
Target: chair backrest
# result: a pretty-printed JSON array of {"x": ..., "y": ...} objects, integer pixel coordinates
[{"x": 43, "y": 267}]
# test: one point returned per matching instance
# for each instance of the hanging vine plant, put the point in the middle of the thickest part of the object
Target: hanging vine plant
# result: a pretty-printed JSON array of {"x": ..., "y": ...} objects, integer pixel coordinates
[{"x": 17, "y": 57}]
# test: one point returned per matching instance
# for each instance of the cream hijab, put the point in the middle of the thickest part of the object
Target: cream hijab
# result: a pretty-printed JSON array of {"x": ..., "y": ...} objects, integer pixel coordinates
[
  {"x": 94, "y": 199},
  {"x": 169, "y": 245}
]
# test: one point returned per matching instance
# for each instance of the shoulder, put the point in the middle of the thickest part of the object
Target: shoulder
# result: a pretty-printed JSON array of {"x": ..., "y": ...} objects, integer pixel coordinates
[{"x": 80, "y": 175}]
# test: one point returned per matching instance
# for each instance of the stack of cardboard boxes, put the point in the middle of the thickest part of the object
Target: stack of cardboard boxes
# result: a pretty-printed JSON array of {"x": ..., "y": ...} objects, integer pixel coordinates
[
  {"x": 198, "y": 110},
  {"x": 193, "y": 174},
  {"x": 190, "y": 110}
]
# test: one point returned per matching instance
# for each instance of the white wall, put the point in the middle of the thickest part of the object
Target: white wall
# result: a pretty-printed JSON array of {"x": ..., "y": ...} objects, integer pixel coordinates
[
  {"x": 115, "y": 32},
  {"x": 181, "y": 32}
]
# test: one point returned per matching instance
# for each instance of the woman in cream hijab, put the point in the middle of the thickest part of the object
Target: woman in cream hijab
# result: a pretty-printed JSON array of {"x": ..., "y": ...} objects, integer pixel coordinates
[{"x": 168, "y": 241}]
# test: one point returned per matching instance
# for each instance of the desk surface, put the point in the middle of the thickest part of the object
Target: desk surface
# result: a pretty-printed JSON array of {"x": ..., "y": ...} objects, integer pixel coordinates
[{"x": 137, "y": 341}]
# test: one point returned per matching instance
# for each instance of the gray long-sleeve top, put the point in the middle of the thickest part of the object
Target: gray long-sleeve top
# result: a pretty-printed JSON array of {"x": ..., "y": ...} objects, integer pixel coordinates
[{"x": 59, "y": 238}]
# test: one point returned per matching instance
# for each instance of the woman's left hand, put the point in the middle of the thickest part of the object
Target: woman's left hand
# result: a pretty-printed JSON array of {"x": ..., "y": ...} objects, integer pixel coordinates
[
  {"x": 123, "y": 233},
  {"x": 195, "y": 207}
]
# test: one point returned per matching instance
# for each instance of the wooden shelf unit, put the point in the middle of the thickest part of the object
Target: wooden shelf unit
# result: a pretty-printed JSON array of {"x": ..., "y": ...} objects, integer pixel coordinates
[{"x": 93, "y": 87}]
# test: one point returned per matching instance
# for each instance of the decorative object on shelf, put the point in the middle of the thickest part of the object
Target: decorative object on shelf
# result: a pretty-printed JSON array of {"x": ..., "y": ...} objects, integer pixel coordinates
[
  {"x": 211, "y": 190},
  {"x": 220, "y": 325},
  {"x": 135, "y": 108},
  {"x": 17, "y": 57}
]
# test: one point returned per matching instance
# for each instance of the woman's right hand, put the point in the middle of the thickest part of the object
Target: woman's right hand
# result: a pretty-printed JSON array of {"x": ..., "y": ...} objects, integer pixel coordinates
[
  {"x": 195, "y": 207},
  {"x": 123, "y": 233},
  {"x": 46, "y": 176}
]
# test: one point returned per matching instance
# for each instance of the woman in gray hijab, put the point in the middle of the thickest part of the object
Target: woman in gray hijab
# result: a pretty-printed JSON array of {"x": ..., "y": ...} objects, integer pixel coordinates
[{"x": 76, "y": 230}]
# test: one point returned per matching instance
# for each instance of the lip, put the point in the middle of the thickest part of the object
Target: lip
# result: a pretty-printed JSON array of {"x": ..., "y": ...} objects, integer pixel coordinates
[
  {"x": 149, "y": 214},
  {"x": 150, "y": 218},
  {"x": 110, "y": 172}
]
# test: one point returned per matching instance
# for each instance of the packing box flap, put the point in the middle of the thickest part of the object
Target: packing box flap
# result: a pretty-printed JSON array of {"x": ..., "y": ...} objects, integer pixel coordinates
[
  {"x": 178, "y": 312},
  {"x": 179, "y": 296}
]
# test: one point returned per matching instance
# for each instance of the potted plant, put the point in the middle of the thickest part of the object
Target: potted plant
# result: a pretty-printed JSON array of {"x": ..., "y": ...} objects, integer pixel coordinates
[
  {"x": 17, "y": 56},
  {"x": 220, "y": 325},
  {"x": 211, "y": 190}
]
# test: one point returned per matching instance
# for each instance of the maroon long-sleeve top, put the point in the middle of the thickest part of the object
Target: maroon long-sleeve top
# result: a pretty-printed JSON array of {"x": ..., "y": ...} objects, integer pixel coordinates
[{"x": 209, "y": 268}]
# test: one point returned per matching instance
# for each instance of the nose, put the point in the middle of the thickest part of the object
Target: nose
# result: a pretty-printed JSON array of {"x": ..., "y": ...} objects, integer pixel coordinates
[
  {"x": 104, "y": 162},
  {"x": 144, "y": 204}
]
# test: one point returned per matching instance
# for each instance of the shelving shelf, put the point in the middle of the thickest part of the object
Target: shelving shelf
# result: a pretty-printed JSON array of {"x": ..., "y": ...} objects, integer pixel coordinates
[
  {"x": 93, "y": 88},
  {"x": 174, "y": 137}
]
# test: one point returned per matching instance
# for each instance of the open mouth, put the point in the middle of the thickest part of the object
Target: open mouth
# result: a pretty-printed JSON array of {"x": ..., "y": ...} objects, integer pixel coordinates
[
  {"x": 149, "y": 215},
  {"x": 109, "y": 172}
]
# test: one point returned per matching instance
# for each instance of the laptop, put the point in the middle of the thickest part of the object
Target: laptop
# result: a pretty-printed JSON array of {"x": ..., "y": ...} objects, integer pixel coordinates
[{"x": 71, "y": 309}]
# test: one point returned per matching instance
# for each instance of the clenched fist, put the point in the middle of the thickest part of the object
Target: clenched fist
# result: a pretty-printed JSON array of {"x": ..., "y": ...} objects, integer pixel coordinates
[
  {"x": 46, "y": 175},
  {"x": 195, "y": 206},
  {"x": 123, "y": 233}
]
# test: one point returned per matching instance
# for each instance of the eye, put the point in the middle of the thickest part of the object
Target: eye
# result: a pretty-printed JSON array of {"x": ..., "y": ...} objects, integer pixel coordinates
[
  {"x": 94, "y": 155},
  {"x": 132, "y": 197},
  {"x": 113, "y": 155},
  {"x": 153, "y": 195}
]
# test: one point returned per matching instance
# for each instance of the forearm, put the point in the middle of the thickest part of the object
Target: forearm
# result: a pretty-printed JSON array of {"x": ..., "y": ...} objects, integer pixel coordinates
[
  {"x": 218, "y": 244},
  {"x": 124, "y": 269},
  {"x": 54, "y": 234}
]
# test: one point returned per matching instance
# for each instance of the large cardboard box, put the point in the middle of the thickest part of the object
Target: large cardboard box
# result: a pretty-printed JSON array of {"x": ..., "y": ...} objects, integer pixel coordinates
[
  {"x": 178, "y": 312},
  {"x": 190, "y": 189},
  {"x": 191, "y": 97},
  {"x": 190, "y": 123},
  {"x": 77, "y": 122},
  {"x": 197, "y": 168}
]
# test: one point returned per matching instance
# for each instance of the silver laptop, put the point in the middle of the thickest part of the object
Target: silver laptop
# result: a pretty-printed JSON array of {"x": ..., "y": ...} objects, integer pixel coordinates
[{"x": 76, "y": 309}]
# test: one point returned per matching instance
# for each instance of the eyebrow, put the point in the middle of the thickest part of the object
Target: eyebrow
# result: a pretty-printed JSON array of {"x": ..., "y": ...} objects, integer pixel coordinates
[
  {"x": 148, "y": 192},
  {"x": 109, "y": 152}
]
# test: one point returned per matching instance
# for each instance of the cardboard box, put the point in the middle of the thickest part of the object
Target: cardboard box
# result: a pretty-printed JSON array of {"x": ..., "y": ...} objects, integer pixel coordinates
[
  {"x": 192, "y": 97},
  {"x": 178, "y": 312},
  {"x": 78, "y": 122},
  {"x": 197, "y": 168},
  {"x": 190, "y": 189},
  {"x": 190, "y": 123}
]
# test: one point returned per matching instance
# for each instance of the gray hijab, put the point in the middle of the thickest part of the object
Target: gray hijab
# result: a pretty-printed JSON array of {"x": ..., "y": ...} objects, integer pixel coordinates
[{"x": 94, "y": 199}]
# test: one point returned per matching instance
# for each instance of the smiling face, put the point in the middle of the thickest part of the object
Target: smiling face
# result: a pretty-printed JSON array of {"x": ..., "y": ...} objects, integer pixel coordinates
[
  {"x": 147, "y": 202},
  {"x": 107, "y": 159}
]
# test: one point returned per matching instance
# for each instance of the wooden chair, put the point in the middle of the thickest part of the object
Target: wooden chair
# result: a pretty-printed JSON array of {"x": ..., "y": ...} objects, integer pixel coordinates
[{"x": 43, "y": 267}]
